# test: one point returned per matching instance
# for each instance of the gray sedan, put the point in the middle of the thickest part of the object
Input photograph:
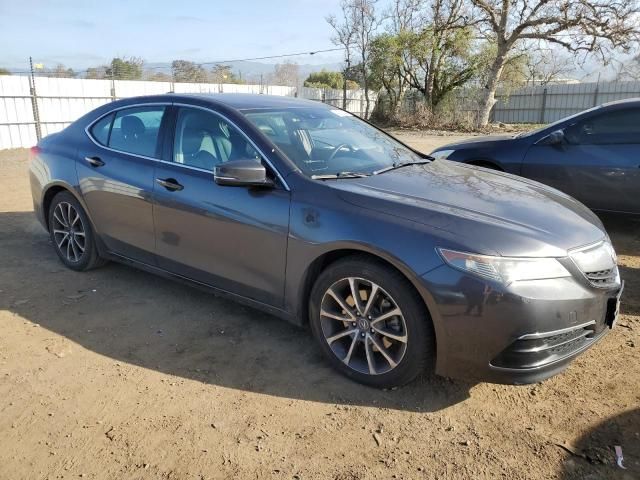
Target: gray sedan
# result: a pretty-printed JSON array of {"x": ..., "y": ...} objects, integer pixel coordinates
[{"x": 397, "y": 263}]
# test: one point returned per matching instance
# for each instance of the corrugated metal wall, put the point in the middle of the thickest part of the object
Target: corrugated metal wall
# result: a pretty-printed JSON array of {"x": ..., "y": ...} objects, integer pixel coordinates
[
  {"x": 546, "y": 104},
  {"x": 60, "y": 101}
]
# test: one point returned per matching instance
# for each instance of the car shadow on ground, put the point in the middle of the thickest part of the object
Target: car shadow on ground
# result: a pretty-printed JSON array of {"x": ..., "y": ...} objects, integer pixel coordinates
[
  {"x": 132, "y": 316},
  {"x": 593, "y": 455}
]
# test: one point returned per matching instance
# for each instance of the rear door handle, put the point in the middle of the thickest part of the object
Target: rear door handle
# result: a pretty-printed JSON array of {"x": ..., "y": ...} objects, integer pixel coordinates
[
  {"x": 170, "y": 184},
  {"x": 94, "y": 161}
]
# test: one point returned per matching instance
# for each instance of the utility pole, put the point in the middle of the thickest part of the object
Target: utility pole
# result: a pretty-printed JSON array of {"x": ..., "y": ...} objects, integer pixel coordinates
[
  {"x": 113, "y": 85},
  {"x": 34, "y": 101},
  {"x": 344, "y": 82}
]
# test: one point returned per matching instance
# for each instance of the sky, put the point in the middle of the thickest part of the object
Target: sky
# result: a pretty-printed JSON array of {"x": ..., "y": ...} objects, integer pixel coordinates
[{"x": 81, "y": 34}]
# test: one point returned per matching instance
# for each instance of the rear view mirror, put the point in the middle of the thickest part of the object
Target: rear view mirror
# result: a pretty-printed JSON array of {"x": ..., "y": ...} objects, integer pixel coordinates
[
  {"x": 242, "y": 173},
  {"x": 554, "y": 138}
]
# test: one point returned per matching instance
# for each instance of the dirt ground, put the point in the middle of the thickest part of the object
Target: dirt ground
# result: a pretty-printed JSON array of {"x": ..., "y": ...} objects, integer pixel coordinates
[{"x": 118, "y": 374}]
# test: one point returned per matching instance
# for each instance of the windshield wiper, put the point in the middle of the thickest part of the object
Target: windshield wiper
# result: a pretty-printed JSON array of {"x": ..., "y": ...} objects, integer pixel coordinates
[
  {"x": 402, "y": 164},
  {"x": 340, "y": 175}
]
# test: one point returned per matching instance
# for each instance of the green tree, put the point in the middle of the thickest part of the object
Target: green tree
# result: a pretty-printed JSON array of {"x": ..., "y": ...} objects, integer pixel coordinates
[
  {"x": 96, "y": 73},
  {"x": 325, "y": 79},
  {"x": 125, "y": 68},
  {"x": 387, "y": 68},
  {"x": 4, "y": 71},
  {"x": 186, "y": 71},
  {"x": 223, "y": 74}
]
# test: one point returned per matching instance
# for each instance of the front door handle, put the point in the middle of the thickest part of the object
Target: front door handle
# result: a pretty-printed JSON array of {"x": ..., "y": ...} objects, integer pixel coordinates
[
  {"x": 170, "y": 184},
  {"x": 94, "y": 161}
]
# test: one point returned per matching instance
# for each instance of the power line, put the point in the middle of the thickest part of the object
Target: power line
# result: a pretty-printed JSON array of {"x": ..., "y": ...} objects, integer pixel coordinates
[{"x": 268, "y": 57}]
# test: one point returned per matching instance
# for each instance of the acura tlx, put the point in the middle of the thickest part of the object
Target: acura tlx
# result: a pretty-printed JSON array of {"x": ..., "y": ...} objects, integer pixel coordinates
[{"x": 397, "y": 262}]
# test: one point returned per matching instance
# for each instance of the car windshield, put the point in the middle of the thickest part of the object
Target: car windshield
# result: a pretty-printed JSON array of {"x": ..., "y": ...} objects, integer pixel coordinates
[
  {"x": 326, "y": 142},
  {"x": 556, "y": 123}
]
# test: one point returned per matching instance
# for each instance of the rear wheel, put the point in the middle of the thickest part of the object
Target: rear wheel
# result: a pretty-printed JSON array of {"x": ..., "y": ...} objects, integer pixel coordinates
[
  {"x": 71, "y": 233},
  {"x": 370, "y": 323}
]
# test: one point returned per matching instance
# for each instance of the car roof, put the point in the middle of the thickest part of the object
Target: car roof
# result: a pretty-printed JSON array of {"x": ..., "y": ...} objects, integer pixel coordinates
[
  {"x": 241, "y": 101},
  {"x": 625, "y": 102}
]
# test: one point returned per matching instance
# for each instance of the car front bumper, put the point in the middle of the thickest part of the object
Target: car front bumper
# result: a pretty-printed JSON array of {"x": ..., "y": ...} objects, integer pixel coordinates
[{"x": 520, "y": 334}]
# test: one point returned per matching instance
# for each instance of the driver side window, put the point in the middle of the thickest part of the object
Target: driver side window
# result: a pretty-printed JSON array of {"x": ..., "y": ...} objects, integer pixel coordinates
[
  {"x": 617, "y": 127},
  {"x": 204, "y": 140}
]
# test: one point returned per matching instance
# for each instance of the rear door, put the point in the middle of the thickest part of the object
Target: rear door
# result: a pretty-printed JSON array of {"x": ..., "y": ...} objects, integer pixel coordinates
[
  {"x": 116, "y": 178},
  {"x": 599, "y": 162}
]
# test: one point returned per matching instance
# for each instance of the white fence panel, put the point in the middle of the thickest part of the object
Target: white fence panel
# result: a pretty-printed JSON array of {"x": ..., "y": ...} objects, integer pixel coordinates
[
  {"x": 17, "y": 127},
  {"x": 134, "y": 88},
  {"x": 61, "y": 101}
]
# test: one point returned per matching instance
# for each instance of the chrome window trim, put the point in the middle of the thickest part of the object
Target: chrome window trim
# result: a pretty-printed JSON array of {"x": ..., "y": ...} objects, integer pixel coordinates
[
  {"x": 231, "y": 122},
  {"x": 88, "y": 128},
  {"x": 189, "y": 167}
]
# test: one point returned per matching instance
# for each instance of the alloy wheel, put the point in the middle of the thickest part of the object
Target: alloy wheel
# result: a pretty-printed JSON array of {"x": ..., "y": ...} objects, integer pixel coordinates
[
  {"x": 363, "y": 326},
  {"x": 69, "y": 232}
]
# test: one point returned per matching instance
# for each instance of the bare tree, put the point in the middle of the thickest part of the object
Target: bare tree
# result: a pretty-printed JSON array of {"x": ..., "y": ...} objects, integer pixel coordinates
[
  {"x": 588, "y": 26},
  {"x": 356, "y": 31},
  {"x": 629, "y": 70},
  {"x": 60, "y": 71},
  {"x": 286, "y": 73},
  {"x": 345, "y": 31},
  {"x": 367, "y": 24},
  {"x": 154, "y": 76},
  {"x": 544, "y": 66}
]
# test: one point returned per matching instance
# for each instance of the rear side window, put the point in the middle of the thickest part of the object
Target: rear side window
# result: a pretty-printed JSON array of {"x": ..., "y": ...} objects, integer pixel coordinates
[
  {"x": 136, "y": 130},
  {"x": 100, "y": 130}
]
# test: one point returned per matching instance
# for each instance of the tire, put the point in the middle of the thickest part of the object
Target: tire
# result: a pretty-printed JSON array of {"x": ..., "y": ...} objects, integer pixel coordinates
[
  {"x": 345, "y": 335},
  {"x": 72, "y": 234}
]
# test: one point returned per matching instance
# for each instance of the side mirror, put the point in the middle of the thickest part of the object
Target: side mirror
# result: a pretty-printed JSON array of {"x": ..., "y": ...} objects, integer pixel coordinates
[
  {"x": 554, "y": 138},
  {"x": 242, "y": 173}
]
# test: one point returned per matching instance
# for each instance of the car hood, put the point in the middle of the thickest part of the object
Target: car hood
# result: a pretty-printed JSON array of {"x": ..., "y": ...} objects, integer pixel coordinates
[
  {"x": 474, "y": 142},
  {"x": 487, "y": 212}
]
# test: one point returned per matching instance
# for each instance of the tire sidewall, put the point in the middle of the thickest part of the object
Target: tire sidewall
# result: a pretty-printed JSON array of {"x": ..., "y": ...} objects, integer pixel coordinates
[{"x": 418, "y": 323}]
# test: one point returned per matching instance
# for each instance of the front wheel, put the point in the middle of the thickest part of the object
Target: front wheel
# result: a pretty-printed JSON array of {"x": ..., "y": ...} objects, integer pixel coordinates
[{"x": 370, "y": 323}]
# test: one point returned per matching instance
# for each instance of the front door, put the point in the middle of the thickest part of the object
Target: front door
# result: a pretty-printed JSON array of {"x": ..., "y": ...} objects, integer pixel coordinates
[{"x": 233, "y": 238}]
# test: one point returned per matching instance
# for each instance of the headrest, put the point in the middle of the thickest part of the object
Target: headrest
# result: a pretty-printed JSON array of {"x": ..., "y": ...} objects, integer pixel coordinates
[
  {"x": 132, "y": 126},
  {"x": 192, "y": 140}
]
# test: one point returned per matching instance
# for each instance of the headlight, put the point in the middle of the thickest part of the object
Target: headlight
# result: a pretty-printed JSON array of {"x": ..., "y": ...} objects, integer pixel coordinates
[
  {"x": 505, "y": 270},
  {"x": 442, "y": 154}
]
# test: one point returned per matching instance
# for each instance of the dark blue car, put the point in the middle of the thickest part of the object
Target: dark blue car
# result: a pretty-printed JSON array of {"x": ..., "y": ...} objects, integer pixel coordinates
[{"x": 593, "y": 156}]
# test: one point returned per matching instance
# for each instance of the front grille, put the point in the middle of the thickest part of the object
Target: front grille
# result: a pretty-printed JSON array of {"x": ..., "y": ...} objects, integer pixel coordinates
[
  {"x": 598, "y": 264},
  {"x": 603, "y": 278}
]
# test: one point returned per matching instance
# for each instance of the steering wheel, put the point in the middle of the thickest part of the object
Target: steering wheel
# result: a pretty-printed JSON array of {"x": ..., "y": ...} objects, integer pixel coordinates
[{"x": 337, "y": 149}]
